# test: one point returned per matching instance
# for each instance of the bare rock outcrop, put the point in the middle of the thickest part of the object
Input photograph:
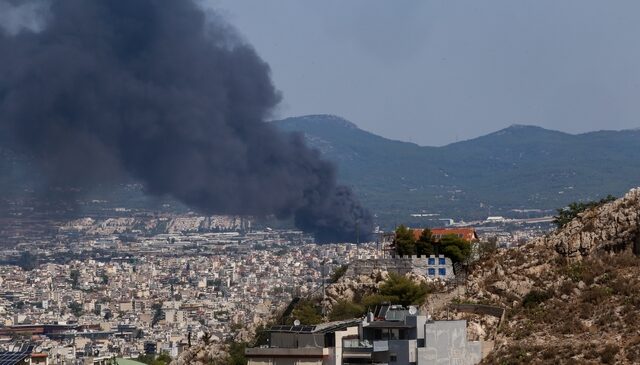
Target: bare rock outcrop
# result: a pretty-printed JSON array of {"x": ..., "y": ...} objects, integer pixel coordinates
[
  {"x": 347, "y": 287},
  {"x": 572, "y": 296},
  {"x": 201, "y": 355},
  {"x": 611, "y": 227}
]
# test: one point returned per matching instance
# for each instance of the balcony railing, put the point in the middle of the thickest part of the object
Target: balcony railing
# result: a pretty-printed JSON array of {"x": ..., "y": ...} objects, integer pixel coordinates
[{"x": 356, "y": 344}]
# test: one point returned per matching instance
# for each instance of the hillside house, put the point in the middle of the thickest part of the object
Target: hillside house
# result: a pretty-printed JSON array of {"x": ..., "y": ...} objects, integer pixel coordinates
[{"x": 391, "y": 335}]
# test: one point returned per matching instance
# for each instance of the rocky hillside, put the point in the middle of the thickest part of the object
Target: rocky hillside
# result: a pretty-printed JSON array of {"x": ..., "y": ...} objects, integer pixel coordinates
[
  {"x": 352, "y": 288},
  {"x": 201, "y": 354},
  {"x": 573, "y": 297},
  {"x": 611, "y": 227}
]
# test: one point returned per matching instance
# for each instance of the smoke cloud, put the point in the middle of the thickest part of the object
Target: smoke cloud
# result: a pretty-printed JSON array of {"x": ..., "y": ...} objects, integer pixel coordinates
[
  {"x": 156, "y": 91},
  {"x": 16, "y": 15}
]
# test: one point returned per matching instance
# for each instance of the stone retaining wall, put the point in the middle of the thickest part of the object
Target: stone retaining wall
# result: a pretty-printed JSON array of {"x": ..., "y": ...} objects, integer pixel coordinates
[{"x": 400, "y": 266}]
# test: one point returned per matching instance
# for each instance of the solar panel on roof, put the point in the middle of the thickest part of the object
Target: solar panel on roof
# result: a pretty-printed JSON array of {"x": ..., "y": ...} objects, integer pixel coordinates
[
  {"x": 13, "y": 358},
  {"x": 293, "y": 328},
  {"x": 383, "y": 311}
]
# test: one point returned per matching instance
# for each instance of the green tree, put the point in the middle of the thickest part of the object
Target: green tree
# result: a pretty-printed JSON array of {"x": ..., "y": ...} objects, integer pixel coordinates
[
  {"x": 307, "y": 313},
  {"x": 262, "y": 334},
  {"x": 104, "y": 277},
  {"x": 236, "y": 353},
  {"x": 206, "y": 338},
  {"x": 162, "y": 359},
  {"x": 455, "y": 248},
  {"x": 338, "y": 273},
  {"x": 27, "y": 261},
  {"x": 74, "y": 275},
  {"x": 371, "y": 301},
  {"x": 404, "y": 241},
  {"x": 403, "y": 290},
  {"x": 424, "y": 244},
  {"x": 346, "y": 310},
  {"x": 158, "y": 313},
  {"x": 568, "y": 213},
  {"x": 76, "y": 308},
  {"x": 147, "y": 358}
]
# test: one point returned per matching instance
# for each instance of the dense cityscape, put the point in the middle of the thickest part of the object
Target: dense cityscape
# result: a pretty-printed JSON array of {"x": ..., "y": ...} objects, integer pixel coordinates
[
  {"x": 223, "y": 182},
  {"x": 133, "y": 285}
]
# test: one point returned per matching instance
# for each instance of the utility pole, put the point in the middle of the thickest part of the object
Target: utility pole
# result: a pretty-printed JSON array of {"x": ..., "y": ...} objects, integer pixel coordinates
[
  {"x": 357, "y": 239},
  {"x": 324, "y": 293}
]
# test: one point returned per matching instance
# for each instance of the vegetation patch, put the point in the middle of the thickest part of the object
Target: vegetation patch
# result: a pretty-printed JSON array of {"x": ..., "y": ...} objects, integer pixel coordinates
[
  {"x": 452, "y": 246},
  {"x": 567, "y": 214},
  {"x": 338, "y": 273},
  {"x": 534, "y": 298}
]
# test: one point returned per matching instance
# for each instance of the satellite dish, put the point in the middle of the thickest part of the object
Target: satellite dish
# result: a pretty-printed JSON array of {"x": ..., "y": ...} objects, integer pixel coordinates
[
  {"x": 296, "y": 322},
  {"x": 413, "y": 310}
]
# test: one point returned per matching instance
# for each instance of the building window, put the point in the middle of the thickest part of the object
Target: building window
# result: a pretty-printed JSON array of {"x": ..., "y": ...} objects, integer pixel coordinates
[
  {"x": 431, "y": 272},
  {"x": 393, "y": 357},
  {"x": 442, "y": 271},
  {"x": 442, "y": 261},
  {"x": 377, "y": 335},
  {"x": 431, "y": 261}
]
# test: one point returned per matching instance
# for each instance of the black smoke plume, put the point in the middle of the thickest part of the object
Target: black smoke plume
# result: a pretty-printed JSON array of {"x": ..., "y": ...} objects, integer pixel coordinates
[{"x": 161, "y": 92}]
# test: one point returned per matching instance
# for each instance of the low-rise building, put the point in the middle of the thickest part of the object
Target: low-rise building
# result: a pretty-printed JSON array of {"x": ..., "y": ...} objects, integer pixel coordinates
[
  {"x": 391, "y": 335},
  {"x": 311, "y": 345}
]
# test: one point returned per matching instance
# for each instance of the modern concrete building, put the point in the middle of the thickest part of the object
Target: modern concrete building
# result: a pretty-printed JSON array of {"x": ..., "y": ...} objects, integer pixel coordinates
[
  {"x": 308, "y": 345},
  {"x": 445, "y": 342},
  {"x": 396, "y": 335},
  {"x": 391, "y": 335}
]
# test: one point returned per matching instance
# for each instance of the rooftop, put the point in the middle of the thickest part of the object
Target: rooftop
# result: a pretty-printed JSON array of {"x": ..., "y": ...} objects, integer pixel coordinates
[{"x": 320, "y": 328}]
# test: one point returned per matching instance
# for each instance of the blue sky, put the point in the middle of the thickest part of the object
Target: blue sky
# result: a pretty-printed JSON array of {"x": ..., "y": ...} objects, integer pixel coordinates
[{"x": 435, "y": 72}]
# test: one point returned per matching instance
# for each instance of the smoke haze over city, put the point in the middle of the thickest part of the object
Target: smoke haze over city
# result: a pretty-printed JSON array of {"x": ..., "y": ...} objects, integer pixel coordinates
[{"x": 166, "y": 94}]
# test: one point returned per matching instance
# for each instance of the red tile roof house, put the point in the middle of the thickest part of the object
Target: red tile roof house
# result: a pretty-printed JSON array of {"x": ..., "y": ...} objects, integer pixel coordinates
[{"x": 469, "y": 234}]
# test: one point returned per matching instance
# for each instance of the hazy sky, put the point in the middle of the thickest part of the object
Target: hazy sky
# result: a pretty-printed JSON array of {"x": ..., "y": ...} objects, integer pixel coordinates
[{"x": 433, "y": 72}]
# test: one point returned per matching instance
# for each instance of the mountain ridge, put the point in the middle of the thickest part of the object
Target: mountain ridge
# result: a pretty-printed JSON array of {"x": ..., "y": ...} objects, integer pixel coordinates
[
  {"x": 514, "y": 169},
  {"x": 329, "y": 119},
  {"x": 517, "y": 167}
]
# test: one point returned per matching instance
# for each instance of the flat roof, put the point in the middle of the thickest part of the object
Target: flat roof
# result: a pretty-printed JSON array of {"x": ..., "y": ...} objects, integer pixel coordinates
[
  {"x": 389, "y": 324},
  {"x": 319, "y": 328}
]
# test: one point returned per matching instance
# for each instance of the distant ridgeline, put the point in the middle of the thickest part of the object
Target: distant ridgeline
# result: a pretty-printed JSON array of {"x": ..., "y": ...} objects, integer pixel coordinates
[
  {"x": 520, "y": 171},
  {"x": 515, "y": 172}
]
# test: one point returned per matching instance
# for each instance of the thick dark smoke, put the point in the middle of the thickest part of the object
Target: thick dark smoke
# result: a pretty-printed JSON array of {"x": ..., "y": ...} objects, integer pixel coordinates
[{"x": 155, "y": 90}]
